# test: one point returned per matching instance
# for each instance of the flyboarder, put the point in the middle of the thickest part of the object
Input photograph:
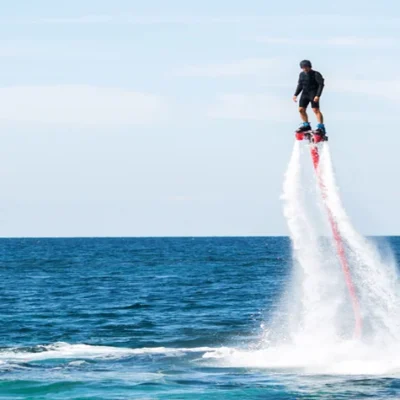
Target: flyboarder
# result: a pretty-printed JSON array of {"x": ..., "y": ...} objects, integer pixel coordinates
[{"x": 311, "y": 83}]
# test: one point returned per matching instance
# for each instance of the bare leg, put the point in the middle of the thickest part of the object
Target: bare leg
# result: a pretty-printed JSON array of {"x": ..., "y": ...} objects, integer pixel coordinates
[
  {"x": 318, "y": 114},
  {"x": 303, "y": 114}
]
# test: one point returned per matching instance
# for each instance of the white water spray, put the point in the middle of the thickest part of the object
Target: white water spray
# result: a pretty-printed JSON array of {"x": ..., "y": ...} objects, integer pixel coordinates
[
  {"x": 311, "y": 305},
  {"x": 314, "y": 328}
]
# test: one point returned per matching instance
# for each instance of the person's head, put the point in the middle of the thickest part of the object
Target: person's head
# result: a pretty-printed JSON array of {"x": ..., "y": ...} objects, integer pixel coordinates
[{"x": 306, "y": 65}]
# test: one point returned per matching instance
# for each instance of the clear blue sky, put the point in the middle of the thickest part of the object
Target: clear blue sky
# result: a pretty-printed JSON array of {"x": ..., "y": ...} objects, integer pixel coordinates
[{"x": 175, "y": 117}]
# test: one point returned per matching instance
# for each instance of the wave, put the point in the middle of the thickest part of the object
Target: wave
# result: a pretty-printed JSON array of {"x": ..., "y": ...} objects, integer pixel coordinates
[
  {"x": 62, "y": 350},
  {"x": 349, "y": 358}
]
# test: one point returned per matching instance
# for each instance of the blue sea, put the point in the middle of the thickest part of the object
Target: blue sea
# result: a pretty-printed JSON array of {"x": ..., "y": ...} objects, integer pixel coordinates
[{"x": 153, "y": 318}]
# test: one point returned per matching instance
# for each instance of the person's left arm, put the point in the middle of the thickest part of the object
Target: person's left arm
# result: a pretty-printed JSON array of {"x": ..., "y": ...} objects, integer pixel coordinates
[{"x": 321, "y": 83}]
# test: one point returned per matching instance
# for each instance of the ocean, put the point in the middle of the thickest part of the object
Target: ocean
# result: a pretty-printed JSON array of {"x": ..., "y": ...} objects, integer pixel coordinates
[{"x": 165, "y": 318}]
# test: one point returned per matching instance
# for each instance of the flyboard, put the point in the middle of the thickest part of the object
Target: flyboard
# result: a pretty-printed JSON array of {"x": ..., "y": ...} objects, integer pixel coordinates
[{"x": 316, "y": 141}]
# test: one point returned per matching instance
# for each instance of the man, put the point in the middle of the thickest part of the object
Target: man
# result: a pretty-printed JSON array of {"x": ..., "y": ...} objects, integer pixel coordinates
[{"x": 311, "y": 83}]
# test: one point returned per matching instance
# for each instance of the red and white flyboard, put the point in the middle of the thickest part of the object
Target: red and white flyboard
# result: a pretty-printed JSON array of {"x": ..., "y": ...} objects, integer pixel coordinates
[{"x": 316, "y": 140}]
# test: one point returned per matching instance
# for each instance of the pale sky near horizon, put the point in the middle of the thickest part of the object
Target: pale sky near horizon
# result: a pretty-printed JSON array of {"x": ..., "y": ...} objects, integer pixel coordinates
[{"x": 156, "y": 118}]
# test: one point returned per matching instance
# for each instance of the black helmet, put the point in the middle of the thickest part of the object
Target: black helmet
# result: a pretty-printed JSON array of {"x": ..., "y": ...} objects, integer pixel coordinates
[{"x": 305, "y": 63}]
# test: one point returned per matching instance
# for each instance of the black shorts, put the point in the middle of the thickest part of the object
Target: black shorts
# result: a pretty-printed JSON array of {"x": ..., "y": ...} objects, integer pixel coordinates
[{"x": 306, "y": 99}]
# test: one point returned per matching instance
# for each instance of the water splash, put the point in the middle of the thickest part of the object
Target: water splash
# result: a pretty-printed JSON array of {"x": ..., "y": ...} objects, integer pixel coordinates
[
  {"x": 313, "y": 330},
  {"x": 315, "y": 303}
]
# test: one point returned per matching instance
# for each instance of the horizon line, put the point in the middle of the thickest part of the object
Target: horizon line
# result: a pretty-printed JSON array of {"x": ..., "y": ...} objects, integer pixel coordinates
[{"x": 169, "y": 237}]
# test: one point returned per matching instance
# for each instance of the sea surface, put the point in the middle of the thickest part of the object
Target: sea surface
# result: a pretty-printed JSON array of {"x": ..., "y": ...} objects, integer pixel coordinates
[{"x": 153, "y": 318}]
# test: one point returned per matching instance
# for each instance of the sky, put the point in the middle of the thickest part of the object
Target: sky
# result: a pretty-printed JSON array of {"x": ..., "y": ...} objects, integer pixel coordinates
[{"x": 175, "y": 118}]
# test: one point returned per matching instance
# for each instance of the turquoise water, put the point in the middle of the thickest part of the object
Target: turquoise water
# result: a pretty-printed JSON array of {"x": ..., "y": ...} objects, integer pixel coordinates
[{"x": 176, "y": 318}]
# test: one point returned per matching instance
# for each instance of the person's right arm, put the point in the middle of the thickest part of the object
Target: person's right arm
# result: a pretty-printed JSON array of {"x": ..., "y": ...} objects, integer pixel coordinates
[{"x": 298, "y": 89}]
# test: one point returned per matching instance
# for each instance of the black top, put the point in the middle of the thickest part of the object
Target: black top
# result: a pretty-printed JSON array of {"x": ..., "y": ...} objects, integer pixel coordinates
[{"x": 310, "y": 83}]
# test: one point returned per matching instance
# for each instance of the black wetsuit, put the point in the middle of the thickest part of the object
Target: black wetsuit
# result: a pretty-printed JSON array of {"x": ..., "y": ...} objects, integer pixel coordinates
[{"x": 312, "y": 84}]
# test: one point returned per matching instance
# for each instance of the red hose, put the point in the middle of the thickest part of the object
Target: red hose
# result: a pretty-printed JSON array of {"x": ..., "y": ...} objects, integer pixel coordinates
[{"x": 339, "y": 247}]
